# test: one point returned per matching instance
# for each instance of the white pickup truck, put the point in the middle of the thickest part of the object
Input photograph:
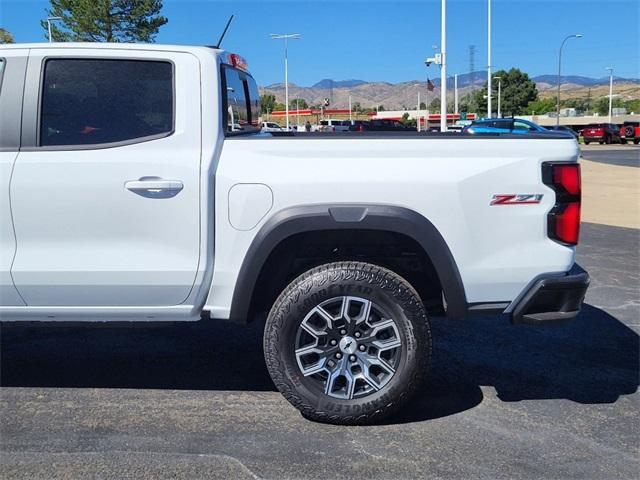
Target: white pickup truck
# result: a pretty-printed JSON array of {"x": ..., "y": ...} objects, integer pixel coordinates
[{"x": 128, "y": 192}]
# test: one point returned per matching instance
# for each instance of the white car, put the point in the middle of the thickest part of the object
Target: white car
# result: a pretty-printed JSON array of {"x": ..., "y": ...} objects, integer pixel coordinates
[
  {"x": 272, "y": 127},
  {"x": 332, "y": 125},
  {"x": 126, "y": 193}
]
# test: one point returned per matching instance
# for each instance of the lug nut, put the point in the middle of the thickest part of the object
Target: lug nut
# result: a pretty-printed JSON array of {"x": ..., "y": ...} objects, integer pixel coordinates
[
  {"x": 362, "y": 348},
  {"x": 352, "y": 358},
  {"x": 338, "y": 355},
  {"x": 331, "y": 364},
  {"x": 343, "y": 332},
  {"x": 333, "y": 342},
  {"x": 358, "y": 334}
]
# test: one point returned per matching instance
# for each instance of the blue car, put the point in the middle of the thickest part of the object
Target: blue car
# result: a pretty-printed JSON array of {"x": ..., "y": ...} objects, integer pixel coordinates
[{"x": 504, "y": 125}]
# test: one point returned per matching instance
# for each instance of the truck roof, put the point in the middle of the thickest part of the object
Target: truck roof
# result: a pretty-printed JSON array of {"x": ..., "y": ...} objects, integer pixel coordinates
[{"x": 114, "y": 45}]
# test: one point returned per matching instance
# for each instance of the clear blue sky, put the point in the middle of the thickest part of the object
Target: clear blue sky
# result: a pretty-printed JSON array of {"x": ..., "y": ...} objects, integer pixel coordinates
[{"x": 389, "y": 40}]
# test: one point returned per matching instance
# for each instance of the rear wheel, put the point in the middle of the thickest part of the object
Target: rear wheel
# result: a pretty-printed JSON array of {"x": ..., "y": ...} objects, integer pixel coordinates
[
  {"x": 586, "y": 142},
  {"x": 347, "y": 343},
  {"x": 636, "y": 141}
]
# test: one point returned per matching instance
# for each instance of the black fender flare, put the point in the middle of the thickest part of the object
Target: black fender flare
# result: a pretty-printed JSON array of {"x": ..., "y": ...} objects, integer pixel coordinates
[{"x": 307, "y": 218}]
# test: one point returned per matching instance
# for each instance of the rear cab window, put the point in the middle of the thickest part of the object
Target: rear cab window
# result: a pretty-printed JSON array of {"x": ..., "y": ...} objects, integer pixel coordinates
[
  {"x": 241, "y": 101},
  {"x": 105, "y": 101}
]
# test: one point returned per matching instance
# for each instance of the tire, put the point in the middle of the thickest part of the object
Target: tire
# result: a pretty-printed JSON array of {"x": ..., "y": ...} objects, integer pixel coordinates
[
  {"x": 601, "y": 142},
  {"x": 586, "y": 143},
  {"x": 316, "y": 302},
  {"x": 636, "y": 141}
]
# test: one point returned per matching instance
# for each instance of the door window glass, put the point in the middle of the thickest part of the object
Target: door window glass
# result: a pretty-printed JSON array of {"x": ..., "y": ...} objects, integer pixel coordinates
[{"x": 103, "y": 101}]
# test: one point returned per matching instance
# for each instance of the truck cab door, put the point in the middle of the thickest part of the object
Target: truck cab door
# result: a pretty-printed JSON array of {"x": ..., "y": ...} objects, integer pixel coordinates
[
  {"x": 13, "y": 64},
  {"x": 105, "y": 189}
]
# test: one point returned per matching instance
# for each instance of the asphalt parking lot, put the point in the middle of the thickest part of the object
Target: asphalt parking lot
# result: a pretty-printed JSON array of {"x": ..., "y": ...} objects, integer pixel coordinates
[
  {"x": 623, "y": 155},
  {"x": 195, "y": 400}
]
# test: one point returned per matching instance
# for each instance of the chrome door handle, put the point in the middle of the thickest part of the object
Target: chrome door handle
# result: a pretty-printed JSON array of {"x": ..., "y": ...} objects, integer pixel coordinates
[{"x": 154, "y": 187}]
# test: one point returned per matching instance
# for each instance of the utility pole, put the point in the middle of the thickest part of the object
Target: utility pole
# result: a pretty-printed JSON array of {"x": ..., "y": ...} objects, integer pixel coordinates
[
  {"x": 610, "y": 91},
  {"x": 418, "y": 112},
  {"x": 350, "y": 109},
  {"x": 286, "y": 37},
  {"x": 489, "y": 91},
  {"x": 455, "y": 94},
  {"x": 443, "y": 68},
  {"x": 499, "y": 95}
]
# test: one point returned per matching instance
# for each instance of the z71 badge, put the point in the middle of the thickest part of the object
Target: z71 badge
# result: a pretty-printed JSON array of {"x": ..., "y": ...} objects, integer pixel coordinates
[{"x": 516, "y": 199}]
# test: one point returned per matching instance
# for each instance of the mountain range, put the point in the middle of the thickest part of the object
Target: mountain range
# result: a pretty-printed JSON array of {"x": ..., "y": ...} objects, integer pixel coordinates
[{"x": 405, "y": 94}]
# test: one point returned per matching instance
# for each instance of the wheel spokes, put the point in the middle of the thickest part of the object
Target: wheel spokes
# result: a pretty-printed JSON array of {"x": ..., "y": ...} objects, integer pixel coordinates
[{"x": 349, "y": 346}]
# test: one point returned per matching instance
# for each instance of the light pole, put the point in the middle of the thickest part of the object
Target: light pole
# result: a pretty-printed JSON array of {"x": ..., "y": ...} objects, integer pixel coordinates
[
  {"x": 455, "y": 94},
  {"x": 610, "y": 91},
  {"x": 286, "y": 37},
  {"x": 575, "y": 35},
  {"x": 489, "y": 109},
  {"x": 443, "y": 68},
  {"x": 49, "y": 20},
  {"x": 499, "y": 95}
]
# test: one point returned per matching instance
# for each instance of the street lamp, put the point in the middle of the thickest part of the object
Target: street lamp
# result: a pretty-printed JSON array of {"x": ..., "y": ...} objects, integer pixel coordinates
[
  {"x": 286, "y": 37},
  {"x": 49, "y": 20},
  {"x": 489, "y": 109},
  {"x": 499, "y": 95},
  {"x": 575, "y": 35},
  {"x": 443, "y": 67},
  {"x": 610, "y": 90}
]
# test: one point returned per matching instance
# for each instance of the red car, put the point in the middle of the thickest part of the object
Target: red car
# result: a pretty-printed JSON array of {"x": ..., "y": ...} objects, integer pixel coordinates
[
  {"x": 630, "y": 132},
  {"x": 602, "y": 133}
]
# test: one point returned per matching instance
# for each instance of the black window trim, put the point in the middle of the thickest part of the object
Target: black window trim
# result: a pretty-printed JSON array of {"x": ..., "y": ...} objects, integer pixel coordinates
[
  {"x": 225, "y": 105},
  {"x": 100, "y": 146}
]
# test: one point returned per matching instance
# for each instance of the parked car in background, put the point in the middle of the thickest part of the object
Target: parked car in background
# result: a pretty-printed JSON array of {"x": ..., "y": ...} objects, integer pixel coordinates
[
  {"x": 455, "y": 128},
  {"x": 601, "y": 133},
  {"x": 386, "y": 125},
  {"x": 271, "y": 127},
  {"x": 332, "y": 125},
  {"x": 630, "y": 132},
  {"x": 563, "y": 128},
  {"x": 504, "y": 125}
]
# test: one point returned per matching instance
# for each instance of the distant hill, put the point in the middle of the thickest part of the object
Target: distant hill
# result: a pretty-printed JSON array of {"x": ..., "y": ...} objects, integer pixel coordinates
[
  {"x": 582, "y": 81},
  {"x": 328, "y": 83},
  {"x": 405, "y": 94}
]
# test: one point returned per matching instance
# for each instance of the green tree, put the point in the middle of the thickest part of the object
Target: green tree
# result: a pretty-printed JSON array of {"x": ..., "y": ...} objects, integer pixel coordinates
[
  {"x": 542, "y": 106},
  {"x": 468, "y": 103},
  {"x": 5, "y": 36},
  {"x": 267, "y": 102},
  {"x": 410, "y": 122},
  {"x": 434, "y": 106},
  {"x": 517, "y": 91},
  {"x": 633, "y": 105},
  {"x": 423, "y": 106},
  {"x": 105, "y": 20},
  {"x": 301, "y": 103},
  {"x": 356, "y": 107},
  {"x": 602, "y": 105}
]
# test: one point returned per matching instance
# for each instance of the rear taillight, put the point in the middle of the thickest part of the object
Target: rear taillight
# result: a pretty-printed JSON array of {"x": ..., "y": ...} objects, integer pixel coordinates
[
  {"x": 567, "y": 176},
  {"x": 563, "y": 221}
]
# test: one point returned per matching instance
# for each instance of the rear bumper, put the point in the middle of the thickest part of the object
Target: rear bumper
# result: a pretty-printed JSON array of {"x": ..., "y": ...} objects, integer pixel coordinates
[
  {"x": 593, "y": 139},
  {"x": 552, "y": 298}
]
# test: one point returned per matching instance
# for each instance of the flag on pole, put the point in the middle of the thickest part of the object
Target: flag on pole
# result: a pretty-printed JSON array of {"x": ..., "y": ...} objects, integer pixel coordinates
[{"x": 430, "y": 86}]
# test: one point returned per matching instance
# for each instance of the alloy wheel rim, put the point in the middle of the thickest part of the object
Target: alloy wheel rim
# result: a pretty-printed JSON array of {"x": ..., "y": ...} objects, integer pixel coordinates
[{"x": 348, "y": 347}]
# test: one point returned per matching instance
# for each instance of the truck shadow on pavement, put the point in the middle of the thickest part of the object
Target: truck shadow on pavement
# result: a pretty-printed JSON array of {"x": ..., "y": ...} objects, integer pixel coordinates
[{"x": 594, "y": 359}]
